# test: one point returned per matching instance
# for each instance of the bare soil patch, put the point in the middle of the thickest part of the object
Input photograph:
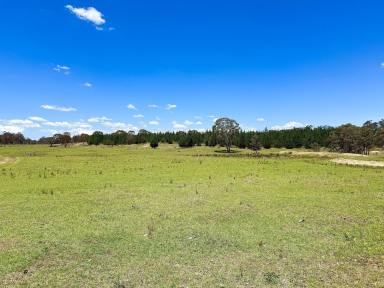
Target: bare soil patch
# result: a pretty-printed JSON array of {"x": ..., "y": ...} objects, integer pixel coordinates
[
  {"x": 320, "y": 154},
  {"x": 6, "y": 160},
  {"x": 358, "y": 162}
]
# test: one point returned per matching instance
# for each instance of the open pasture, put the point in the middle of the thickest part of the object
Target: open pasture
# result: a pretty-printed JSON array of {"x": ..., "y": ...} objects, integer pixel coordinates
[{"x": 132, "y": 216}]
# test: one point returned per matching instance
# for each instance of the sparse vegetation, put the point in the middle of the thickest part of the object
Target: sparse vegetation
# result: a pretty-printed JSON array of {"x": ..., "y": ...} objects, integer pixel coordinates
[{"x": 129, "y": 216}]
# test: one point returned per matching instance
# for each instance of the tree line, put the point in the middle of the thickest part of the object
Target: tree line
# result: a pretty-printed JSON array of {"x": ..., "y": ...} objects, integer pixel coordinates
[{"x": 226, "y": 132}]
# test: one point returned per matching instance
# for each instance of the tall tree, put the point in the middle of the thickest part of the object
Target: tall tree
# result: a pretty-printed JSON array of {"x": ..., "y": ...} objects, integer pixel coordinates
[
  {"x": 226, "y": 130},
  {"x": 255, "y": 144}
]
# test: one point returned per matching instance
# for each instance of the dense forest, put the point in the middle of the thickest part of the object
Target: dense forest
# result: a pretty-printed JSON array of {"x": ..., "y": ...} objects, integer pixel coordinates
[{"x": 346, "y": 138}]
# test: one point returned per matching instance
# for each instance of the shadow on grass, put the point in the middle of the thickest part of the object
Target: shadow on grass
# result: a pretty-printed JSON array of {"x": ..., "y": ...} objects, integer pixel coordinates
[{"x": 224, "y": 151}]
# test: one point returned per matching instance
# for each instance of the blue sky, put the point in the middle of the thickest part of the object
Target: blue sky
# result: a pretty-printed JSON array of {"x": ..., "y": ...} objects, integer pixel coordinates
[{"x": 81, "y": 66}]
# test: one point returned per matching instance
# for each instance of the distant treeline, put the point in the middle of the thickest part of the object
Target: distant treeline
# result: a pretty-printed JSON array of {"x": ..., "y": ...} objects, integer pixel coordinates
[{"x": 346, "y": 138}]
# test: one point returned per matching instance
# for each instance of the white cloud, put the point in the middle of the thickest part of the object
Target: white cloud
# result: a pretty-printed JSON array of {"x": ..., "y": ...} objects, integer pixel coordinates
[
  {"x": 171, "y": 107},
  {"x": 58, "y": 108},
  {"x": 154, "y": 122},
  {"x": 289, "y": 125},
  {"x": 119, "y": 126},
  {"x": 98, "y": 119},
  {"x": 138, "y": 116},
  {"x": 178, "y": 125},
  {"x": 88, "y": 14},
  {"x": 260, "y": 119},
  {"x": 62, "y": 68},
  {"x": 153, "y": 106},
  {"x": 211, "y": 116},
  {"x": 66, "y": 124},
  {"x": 88, "y": 85},
  {"x": 11, "y": 128},
  {"x": 79, "y": 130},
  {"x": 247, "y": 128},
  {"x": 131, "y": 107},
  {"x": 37, "y": 119},
  {"x": 199, "y": 123},
  {"x": 17, "y": 125},
  {"x": 25, "y": 123},
  {"x": 188, "y": 123}
]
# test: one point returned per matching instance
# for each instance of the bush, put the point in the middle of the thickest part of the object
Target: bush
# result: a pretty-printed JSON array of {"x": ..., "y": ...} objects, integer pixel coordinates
[
  {"x": 154, "y": 142},
  {"x": 315, "y": 147}
]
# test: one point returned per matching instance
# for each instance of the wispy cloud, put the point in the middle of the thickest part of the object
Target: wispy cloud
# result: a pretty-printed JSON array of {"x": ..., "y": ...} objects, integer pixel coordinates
[
  {"x": 89, "y": 14},
  {"x": 66, "y": 124},
  {"x": 37, "y": 119},
  {"x": 138, "y": 116},
  {"x": 153, "y": 106},
  {"x": 154, "y": 122},
  {"x": 131, "y": 107},
  {"x": 289, "y": 125},
  {"x": 88, "y": 84},
  {"x": 62, "y": 69},
  {"x": 171, "y": 107},
  {"x": 58, "y": 108},
  {"x": 260, "y": 119},
  {"x": 98, "y": 119}
]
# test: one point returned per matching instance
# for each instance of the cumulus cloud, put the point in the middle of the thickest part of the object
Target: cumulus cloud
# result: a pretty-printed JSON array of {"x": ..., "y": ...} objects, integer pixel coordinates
[
  {"x": 131, "y": 107},
  {"x": 58, "y": 108},
  {"x": 11, "y": 128},
  {"x": 89, "y": 14},
  {"x": 289, "y": 125},
  {"x": 17, "y": 125},
  {"x": 119, "y": 126},
  {"x": 138, "y": 116},
  {"x": 171, "y": 107},
  {"x": 154, "y": 122},
  {"x": 177, "y": 125}
]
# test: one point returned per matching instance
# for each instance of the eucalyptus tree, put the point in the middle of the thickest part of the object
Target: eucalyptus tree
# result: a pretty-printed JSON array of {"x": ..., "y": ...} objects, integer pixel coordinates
[{"x": 226, "y": 131}]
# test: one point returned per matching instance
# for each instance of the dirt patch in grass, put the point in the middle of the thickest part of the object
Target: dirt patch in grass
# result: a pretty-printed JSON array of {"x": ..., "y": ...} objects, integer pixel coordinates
[
  {"x": 320, "y": 154},
  {"x": 358, "y": 162},
  {"x": 6, "y": 160}
]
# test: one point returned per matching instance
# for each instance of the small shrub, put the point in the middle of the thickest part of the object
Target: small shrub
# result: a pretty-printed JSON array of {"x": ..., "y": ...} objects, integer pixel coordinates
[
  {"x": 271, "y": 278},
  {"x": 154, "y": 142},
  {"x": 315, "y": 147}
]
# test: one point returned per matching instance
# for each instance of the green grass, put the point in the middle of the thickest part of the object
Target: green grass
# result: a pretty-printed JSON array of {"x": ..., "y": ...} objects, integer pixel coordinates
[{"x": 136, "y": 217}]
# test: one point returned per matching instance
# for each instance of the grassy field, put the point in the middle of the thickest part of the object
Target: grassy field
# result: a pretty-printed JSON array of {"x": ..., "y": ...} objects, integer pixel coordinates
[{"x": 136, "y": 217}]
